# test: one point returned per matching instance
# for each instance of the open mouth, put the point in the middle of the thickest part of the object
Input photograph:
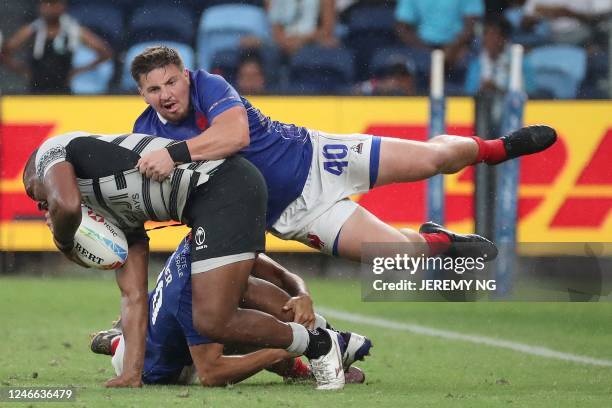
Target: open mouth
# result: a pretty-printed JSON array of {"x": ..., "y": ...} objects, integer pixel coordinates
[{"x": 171, "y": 107}]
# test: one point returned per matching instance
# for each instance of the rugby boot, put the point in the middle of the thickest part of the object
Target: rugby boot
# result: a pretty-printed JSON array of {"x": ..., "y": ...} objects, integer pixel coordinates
[
  {"x": 528, "y": 140},
  {"x": 101, "y": 342},
  {"x": 354, "y": 375},
  {"x": 357, "y": 348},
  {"x": 463, "y": 245},
  {"x": 327, "y": 369}
]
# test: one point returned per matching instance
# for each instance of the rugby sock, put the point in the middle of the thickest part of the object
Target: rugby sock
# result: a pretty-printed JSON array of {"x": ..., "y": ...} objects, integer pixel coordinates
[
  {"x": 319, "y": 343},
  {"x": 438, "y": 242},
  {"x": 490, "y": 151},
  {"x": 300, "y": 339},
  {"x": 299, "y": 369}
]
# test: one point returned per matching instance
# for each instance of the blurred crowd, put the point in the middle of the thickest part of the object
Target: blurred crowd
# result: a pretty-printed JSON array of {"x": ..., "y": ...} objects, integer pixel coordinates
[{"x": 354, "y": 47}]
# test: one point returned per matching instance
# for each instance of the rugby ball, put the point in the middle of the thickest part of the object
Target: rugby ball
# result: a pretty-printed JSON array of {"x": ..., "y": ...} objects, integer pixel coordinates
[{"x": 99, "y": 243}]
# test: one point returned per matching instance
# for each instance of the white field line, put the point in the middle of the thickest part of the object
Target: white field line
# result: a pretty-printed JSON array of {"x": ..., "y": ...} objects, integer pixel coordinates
[{"x": 470, "y": 338}]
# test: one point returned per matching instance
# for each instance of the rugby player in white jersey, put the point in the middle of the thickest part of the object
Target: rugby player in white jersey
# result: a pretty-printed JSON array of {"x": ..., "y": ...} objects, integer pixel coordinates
[{"x": 222, "y": 200}]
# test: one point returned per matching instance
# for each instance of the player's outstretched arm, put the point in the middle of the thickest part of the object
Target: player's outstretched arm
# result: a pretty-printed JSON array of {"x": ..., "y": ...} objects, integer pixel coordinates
[
  {"x": 227, "y": 135},
  {"x": 132, "y": 281},
  {"x": 215, "y": 369}
]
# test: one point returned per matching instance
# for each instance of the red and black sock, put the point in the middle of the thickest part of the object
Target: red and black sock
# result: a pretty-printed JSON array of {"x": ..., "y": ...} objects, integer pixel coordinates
[
  {"x": 438, "y": 242},
  {"x": 490, "y": 151}
]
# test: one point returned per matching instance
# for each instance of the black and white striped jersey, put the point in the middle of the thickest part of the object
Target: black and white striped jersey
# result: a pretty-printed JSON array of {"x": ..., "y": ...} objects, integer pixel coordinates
[{"x": 110, "y": 183}]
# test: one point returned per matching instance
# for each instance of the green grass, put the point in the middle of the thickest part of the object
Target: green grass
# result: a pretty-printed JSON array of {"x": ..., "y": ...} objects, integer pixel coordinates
[{"x": 46, "y": 323}]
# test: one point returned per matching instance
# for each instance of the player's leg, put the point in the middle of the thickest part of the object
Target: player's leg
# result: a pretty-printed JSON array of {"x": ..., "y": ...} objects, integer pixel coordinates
[
  {"x": 410, "y": 160},
  {"x": 407, "y": 160},
  {"x": 216, "y": 296},
  {"x": 345, "y": 227},
  {"x": 227, "y": 217}
]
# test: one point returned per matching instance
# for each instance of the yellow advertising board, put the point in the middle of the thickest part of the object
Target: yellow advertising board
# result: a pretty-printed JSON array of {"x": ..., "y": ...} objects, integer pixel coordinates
[{"x": 565, "y": 193}]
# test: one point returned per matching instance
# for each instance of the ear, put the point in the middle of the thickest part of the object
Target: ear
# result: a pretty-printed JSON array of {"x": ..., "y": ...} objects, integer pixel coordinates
[{"x": 186, "y": 73}]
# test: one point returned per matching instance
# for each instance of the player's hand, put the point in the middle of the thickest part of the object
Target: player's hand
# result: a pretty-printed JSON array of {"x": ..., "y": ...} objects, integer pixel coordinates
[
  {"x": 156, "y": 165},
  {"x": 124, "y": 381},
  {"x": 303, "y": 312}
]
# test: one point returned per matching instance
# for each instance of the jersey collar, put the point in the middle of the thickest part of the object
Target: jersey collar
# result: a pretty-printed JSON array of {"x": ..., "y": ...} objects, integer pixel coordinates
[{"x": 161, "y": 118}]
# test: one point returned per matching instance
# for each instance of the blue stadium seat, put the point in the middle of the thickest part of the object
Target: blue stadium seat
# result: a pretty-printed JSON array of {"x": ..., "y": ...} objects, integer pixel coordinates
[
  {"x": 420, "y": 58},
  {"x": 163, "y": 21},
  {"x": 369, "y": 29},
  {"x": 105, "y": 20},
  {"x": 222, "y": 26},
  {"x": 315, "y": 69},
  {"x": 91, "y": 82},
  {"x": 559, "y": 69},
  {"x": 128, "y": 84},
  {"x": 213, "y": 3}
]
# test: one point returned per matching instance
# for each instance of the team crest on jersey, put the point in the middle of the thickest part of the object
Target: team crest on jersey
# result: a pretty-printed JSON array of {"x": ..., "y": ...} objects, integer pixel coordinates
[
  {"x": 201, "y": 121},
  {"x": 357, "y": 148},
  {"x": 200, "y": 237}
]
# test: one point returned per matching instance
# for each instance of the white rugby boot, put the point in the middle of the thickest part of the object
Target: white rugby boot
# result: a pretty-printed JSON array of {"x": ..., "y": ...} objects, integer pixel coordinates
[{"x": 327, "y": 369}]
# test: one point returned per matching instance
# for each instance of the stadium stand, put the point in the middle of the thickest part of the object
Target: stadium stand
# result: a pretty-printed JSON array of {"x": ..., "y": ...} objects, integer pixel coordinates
[
  {"x": 369, "y": 28},
  {"x": 222, "y": 27},
  {"x": 92, "y": 82},
  {"x": 104, "y": 19},
  {"x": 209, "y": 34},
  {"x": 559, "y": 69},
  {"x": 315, "y": 70},
  {"x": 154, "y": 21}
]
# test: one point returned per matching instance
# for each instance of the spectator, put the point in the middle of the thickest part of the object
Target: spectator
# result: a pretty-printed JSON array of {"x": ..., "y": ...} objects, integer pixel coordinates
[
  {"x": 296, "y": 23},
  {"x": 56, "y": 36},
  {"x": 251, "y": 79},
  {"x": 490, "y": 70},
  {"x": 395, "y": 78},
  {"x": 571, "y": 22},
  {"x": 446, "y": 24}
]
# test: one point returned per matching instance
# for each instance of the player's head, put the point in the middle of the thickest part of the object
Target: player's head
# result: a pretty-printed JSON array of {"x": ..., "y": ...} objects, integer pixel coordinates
[
  {"x": 33, "y": 186},
  {"x": 51, "y": 10},
  {"x": 163, "y": 81}
]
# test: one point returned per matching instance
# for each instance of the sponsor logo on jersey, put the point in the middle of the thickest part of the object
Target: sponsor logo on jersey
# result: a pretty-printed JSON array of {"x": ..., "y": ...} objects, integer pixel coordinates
[
  {"x": 94, "y": 216},
  {"x": 357, "y": 148}
]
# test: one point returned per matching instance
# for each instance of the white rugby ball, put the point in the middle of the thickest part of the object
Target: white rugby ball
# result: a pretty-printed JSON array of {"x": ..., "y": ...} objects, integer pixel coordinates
[{"x": 98, "y": 242}]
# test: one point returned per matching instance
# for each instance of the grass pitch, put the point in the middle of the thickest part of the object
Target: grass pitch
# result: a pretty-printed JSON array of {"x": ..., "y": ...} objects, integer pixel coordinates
[{"x": 44, "y": 342}]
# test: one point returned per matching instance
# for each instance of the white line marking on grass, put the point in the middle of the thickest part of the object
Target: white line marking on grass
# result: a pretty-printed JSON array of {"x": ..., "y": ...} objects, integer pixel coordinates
[{"x": 470, "y": 338}]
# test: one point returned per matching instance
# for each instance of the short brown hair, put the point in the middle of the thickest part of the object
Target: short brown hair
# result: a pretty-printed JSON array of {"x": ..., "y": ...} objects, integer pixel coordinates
[{"x": 153, "y": 58}]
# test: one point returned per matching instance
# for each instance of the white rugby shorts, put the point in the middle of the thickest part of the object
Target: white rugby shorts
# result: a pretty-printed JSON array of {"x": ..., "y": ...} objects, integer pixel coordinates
[{"x": 342, "y": 165}]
